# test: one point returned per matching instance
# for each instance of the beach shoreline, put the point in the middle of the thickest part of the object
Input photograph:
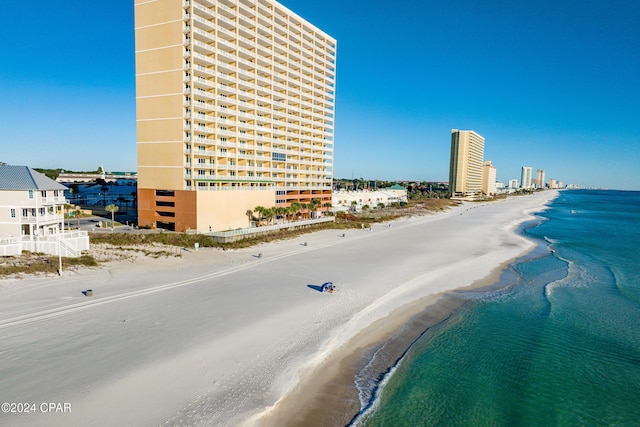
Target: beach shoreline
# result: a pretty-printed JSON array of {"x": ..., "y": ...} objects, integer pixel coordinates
[
  {"x": 394, "y": 335},
  {"x": 328, "y": 395},
  {"x": 243, "y": 339}
]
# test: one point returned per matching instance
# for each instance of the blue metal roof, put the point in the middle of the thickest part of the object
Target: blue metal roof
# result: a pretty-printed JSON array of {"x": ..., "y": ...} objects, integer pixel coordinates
[{"x": 25, "y": 178}]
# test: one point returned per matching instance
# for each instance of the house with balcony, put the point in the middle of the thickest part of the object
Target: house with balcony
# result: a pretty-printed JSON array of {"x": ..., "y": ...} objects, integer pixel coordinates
[{"x": 32, "y": 215}]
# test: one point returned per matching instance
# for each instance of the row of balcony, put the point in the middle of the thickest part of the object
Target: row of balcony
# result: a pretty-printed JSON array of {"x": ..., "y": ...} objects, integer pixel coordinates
[
  {"x": 244, "y": 102},
  {"x": 41, "y": 218},
  {"x": 299, "y": 181},
  {"x": 258, "y": 128},
  {"x": 279, "y": 117},
  {"x": 327, "y": 81},
  {"x": 264, "y": 134},
  {"x": 319, "y": 167},
  {"x": 289, "y": 144},
  {"x": 246, "y": 78},
  {"x": 260, "y": 122},
  {"x": 243, "y": 109},
  {"x": 291, "y": 148},
  {"x": 243, "y": 113},
  {"x": 270, "y": 47},
  {"x": 248, "y": 88},
  {"x": 287, "y": 31},
  {"x": 219, "y": 186},
  {"x": 294, "y": 75},
  {"x": 305, "y": 99},
  {"x": 263, "y": 143},
  {"x": 252, "y": 10},
  {"x": 259, "y": 160},
  {"x": 261, "y": 170}
]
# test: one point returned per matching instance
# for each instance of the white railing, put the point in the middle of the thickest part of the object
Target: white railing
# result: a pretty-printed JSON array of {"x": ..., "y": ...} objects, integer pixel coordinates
[
  {"x": 243, "y": 232},
  {"x": 68, "y": 243}
]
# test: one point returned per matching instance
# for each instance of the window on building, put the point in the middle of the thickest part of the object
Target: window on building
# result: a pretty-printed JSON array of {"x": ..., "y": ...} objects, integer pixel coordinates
[
  {"x": 25, "y": 212},
  {"x": 31, "y": 194},
  {"x": 13, "y": 213},
  {"x": 278, "y": 157}
]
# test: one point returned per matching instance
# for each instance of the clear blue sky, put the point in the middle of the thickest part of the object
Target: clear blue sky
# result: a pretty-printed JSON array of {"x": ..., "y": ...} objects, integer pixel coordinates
[{"x": 551, "y": 84}]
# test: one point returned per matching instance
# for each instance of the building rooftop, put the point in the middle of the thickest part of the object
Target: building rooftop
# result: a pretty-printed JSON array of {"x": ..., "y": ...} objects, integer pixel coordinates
[
  {"x": 395, "y": 187},
  {"x": 25, "y": 178}
]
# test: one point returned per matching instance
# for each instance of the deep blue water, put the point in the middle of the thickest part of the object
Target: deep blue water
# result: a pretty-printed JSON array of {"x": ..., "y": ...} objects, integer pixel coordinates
[{"x": 559, "y": 348}]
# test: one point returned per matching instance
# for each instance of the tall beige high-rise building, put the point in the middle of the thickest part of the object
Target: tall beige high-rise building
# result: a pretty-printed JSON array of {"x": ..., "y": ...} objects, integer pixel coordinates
[
  {"x": 488, "y": 178},
  {"x": 235, "y": 109},
  {"x": 525, "y": 181},
  {"x": 465, "y": 168},
  {"x": 540, "y": 178}
]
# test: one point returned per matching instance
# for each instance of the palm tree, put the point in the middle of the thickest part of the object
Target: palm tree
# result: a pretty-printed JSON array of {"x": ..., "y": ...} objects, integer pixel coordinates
[
  {"x": 113, "y": 209},
  {"x": 281, "y": 211},
  {"x": 260, "y": 211},
  {"x": 249, "y": 214},
  {"x": 303, "y": 207},
  {"x": 77, "y": 212},
  {"x": 314, "y": 205},
  {"x": 295, "y": 208},
  {"x": 269, "y": 213}
]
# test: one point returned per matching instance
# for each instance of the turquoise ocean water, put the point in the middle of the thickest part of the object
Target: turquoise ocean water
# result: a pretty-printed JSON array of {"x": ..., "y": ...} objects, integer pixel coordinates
[{"x": 559, "y": 348}]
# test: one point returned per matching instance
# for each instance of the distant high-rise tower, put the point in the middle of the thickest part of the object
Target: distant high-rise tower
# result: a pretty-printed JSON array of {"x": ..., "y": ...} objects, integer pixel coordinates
[
  {"x": 465, "y": 168},
  {"x": 525, "y": 182},
  {"x": 540, "y": 178},
  {"x": 488, "y": 178},
  {"x": 235, "y": 109}
]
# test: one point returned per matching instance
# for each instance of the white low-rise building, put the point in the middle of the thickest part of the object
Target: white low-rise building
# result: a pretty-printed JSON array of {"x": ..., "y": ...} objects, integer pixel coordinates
[
  {"x": 354, "y": 200},
  {"x": 32, "y": 215}
]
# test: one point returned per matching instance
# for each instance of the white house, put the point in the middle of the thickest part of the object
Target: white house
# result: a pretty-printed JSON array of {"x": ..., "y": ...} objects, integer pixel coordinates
[{"x": 32, "y": 215}]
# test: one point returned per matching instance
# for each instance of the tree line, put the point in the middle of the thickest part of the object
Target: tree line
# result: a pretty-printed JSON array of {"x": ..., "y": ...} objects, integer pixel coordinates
[{"x": 293, "y": 212}]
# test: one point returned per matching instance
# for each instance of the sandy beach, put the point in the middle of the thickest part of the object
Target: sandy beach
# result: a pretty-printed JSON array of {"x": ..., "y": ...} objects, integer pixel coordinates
[{"x": 241, "y": 337}]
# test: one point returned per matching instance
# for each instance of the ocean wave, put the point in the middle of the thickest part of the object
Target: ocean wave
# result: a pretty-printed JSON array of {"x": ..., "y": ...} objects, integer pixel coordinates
[
  {"x": 365, "y": 381},
  {"x": 577, "y": 277},
  {"x": 377, "y": 386},
  {"x": 370, "y": 385}
]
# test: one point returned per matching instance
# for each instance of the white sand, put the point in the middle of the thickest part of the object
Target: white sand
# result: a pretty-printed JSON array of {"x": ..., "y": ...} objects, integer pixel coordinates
[{"x": 217, "y": 338}]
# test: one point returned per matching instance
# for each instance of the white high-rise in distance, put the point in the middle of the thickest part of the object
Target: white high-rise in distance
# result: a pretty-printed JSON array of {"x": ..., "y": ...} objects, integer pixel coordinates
[{"x": 525, "y": 180}]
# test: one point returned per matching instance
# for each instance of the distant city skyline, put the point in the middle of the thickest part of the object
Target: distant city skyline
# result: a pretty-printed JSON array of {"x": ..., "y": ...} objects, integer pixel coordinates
[{"x": 550, "y": 85}]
